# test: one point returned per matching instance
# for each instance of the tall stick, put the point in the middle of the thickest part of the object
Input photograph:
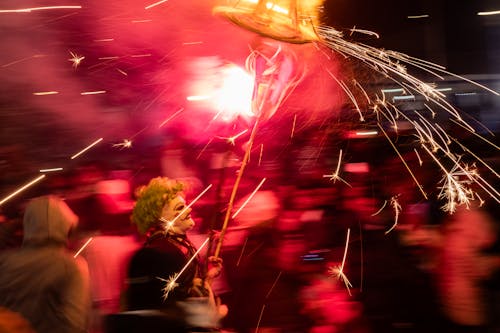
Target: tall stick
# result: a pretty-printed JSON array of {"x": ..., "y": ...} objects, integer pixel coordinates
[{"x": 235, "y": 188}]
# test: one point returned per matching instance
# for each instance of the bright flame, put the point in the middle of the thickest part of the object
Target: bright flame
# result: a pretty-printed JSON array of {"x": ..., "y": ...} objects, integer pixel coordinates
[
  {"x": 224, "y": 90},
  {"x": 234, "y": 96}
]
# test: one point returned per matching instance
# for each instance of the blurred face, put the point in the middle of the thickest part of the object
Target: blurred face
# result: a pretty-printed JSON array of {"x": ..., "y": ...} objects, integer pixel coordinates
[{"x": 172, "y": 210}]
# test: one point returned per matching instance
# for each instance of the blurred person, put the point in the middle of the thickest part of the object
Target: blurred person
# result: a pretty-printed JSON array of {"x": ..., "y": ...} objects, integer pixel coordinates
[
  {"x": 465, "y": 267},
  {"x": 42, "y": 280},
  {"x": 263, "y": 291},
  {"x": 175, "y": 165},
  {"x": 81, "y": 197},
  {"x": 10, "y": 231},
  {"x": 111, "y": 247},
  {"x": 165, "y": 253},
  {"x": 329, "y": 307}
]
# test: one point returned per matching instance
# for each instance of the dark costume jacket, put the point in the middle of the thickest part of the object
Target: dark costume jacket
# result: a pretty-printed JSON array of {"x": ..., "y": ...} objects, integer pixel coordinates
[{"x": 162, "y": 257}]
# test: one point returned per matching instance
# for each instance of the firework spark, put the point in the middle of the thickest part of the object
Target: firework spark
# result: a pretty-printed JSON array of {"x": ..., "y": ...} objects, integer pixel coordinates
[
  {"x": 171, "y": 282},
  {"x": 75, "y": 59},
  {"x": 83, "y": 247},
  {"x": 366, "y": 32},
  {"x": 393, "y": 65},
  {"x": 381, "y": 209},
  {"x": 155, "y": 4},
  {"x": 260, "y": 154},
  {"x": 338, "y": 271},
  {"x": 95, "y": 92},
  {"x": 51, "y": 170},
  {"x": 274, "y": 284},
  {"x": 32, "y": 9},
  {"x": 86, "y": 148},
  {"x": 260, "y": 318},
  {"x": 249, "y": 198},
  {"x": 232, "y": 139},
  {"x": 125, "y": 144},
  {"x": 171, "y": 117},
  {"x": 397, "y": 210},
  {"x": 45, "y": 93},
  {"x": 293, "y": 126},
  {"x": 22, "y": 188},
  {"x": 455, "y": 189},
  {"x": 22, "y": 60},
  {"x": 335, "y": 175}
]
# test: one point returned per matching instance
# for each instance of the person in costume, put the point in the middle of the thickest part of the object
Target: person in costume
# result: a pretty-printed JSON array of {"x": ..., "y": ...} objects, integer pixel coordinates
[{"x": 166, "y": 273}]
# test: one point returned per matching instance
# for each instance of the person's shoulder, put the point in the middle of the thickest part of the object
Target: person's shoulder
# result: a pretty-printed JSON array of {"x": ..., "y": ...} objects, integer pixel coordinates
[
  {"x": 156, "y": 250},
  {"x": 164, "y": 244}
]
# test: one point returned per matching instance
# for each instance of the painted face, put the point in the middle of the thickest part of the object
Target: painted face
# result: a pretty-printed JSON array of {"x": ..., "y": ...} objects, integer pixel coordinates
[{"x": 170, "y": 212}]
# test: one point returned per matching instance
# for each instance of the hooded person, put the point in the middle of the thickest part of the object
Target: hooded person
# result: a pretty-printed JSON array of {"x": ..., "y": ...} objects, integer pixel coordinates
[{"x": 42, "y": 280}]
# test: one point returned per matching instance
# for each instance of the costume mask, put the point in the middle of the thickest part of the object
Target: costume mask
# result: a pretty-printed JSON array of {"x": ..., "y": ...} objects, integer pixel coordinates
[{"x": 170, "y": 212}]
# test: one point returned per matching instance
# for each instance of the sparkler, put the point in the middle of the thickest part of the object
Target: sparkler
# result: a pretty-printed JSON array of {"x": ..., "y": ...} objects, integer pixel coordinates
[{"x": 171, "y": 282}]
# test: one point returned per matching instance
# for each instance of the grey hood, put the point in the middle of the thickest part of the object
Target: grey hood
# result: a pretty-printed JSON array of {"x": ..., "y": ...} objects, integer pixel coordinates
[{"x": 47, "y": 219}]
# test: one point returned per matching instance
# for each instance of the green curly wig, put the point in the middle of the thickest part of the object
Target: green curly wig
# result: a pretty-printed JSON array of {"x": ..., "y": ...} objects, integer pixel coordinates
[{"x": 151, "y": 199}]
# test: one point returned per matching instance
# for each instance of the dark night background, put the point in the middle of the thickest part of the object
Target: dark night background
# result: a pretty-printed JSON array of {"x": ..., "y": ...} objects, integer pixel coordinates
[{"x": 453, "y": 35}]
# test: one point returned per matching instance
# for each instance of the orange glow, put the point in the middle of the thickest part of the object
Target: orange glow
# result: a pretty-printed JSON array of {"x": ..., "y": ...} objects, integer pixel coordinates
[{"x": 290, "y": 21}]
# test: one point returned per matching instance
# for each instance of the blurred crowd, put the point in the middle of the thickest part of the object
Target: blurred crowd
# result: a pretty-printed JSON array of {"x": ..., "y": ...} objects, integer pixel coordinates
[{"x": 308, "y": 251}]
